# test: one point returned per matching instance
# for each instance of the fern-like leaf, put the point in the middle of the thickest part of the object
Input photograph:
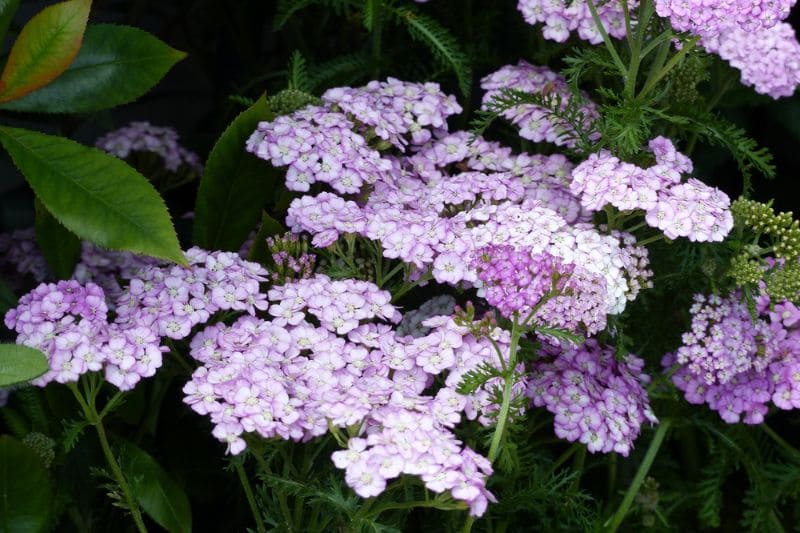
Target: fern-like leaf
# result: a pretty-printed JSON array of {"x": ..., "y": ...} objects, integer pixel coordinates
[
  {"x": 477, "y": 377},
  {"x": 344, "y": 69},
  {"x": 440, "y": 41},
  {"x": 299, "y": 79}
]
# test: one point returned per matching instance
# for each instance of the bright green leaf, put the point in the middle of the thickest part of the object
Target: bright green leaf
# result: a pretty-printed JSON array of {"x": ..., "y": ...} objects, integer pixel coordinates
[
  {"x": 8, "y": 8},
  {"x": 94, "y": 195},
  {"x": 44, "y": 48},
  {"x": 158, "y": 494},
  {"x": 26, "y": 494},
  {"x": 235, "y": 185},
  {"x": 116, "y": 65},
  {"x": 60, "y": 247},
  {"x": 19, "y": 364}
]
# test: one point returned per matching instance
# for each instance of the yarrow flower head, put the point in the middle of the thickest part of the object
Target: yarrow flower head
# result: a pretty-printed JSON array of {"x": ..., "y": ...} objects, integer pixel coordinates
[
  {"x": 596, "y": 399},
  {"x": 712, "y": 18},
  {"x": 692, "y": 209},
  {"x": 561, "y": 17},
  {"x": 737, "y": 364},
  {"x": 142, "y": 137},
  {"x": 536, "y": 123}
]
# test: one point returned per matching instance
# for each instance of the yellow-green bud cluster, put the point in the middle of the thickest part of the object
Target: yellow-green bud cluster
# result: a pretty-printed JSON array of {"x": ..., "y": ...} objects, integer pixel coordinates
[
  {"x": 745, "y": 271},
  {"x": 290, "y": 100},
  {"x": 43, "y": 446},
  {"x": 784, "y": 283},
  {"x": 762, "y": 219},
  {"x": 685, "y": 78}
]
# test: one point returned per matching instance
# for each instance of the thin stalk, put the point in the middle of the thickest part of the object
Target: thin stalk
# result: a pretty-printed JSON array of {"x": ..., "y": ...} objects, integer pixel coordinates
[
  {"x": 248, "y": 493},
  {"x": 580, "y": 460},
  {"x": 607, "y": 40},
  {"x": 674, "y": 60},
  {"x": 615, "y": 521},
  {"x": 788, "y": 448},
  {"x": 287, "y": 516},
  {"x": 436, "y": 504},
  {"x": 502, "y": 419},
  {"x": 650, "y": 240},
  {"x": 94, "y": 418}
]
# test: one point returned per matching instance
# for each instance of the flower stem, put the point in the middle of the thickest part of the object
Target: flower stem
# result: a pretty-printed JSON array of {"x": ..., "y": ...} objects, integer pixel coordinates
[
  {"x": 674, "y": 60},
  {"x": 606, "y": 39},
  {"x": 615, "y": 521},
  {"x": 248, "y": 493},
  {"x": 502, "y": 418},
  {"x": 94, "y": 418}
]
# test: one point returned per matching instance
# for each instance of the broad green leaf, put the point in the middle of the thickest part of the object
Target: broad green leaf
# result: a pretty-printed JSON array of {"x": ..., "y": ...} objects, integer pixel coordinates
[
  {"x": 8, "y": 8},
  {"x": 115, "y": 65},
  {"x": 44, "y": 48},
  {"x": 60, "y": 247},
  {"x": 235, "y": 185},
  {"x": 26, "y": 494},
  {"x": 94, "y": 195},
  {"x": 269, "y": 227},
  {"x": 158, "y": 494},
  {"x": 19, "y": 364}
]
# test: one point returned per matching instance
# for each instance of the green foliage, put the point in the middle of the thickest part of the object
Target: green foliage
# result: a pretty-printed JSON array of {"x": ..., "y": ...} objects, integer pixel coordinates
[
  {"x": 94, "y": 195},
  {"x": 299, "y": 79},
  {"x": 440, "y": 41},
  {"x": 19, "y": 364},
  {"x": 235, "y": 185},
  {"x": 344, "y": 69},
  {"x": 44, "y": 48},
  {"x": 60, "y": 248},
  {"x": 157, "y": 493},
  {"x": 26, "y": 492},
  {"x": 8, "y": 8},
  {"x": 476, "y": 378},
  {"x": 287, "y": 8},
  {"x": 115, "y": 66}
]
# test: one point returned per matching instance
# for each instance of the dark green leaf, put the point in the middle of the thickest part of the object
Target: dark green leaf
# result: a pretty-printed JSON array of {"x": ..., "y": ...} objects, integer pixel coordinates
[
  {"x": 559, "y": 334},
  {"x": 25, "y": 491},
  {"x": 234, "y": 187},
  {"x": 158, "y": 494},
  {"x": 8, "y": 8},
  {"x": 19, "y": 364},
  {"x": 94, "y": 195},
  {"x": 60, "y": 247},
  {"x": 269, "y": 227},
  {"x": 115, "y": 65},
  {"x": 44, "y": 48}
]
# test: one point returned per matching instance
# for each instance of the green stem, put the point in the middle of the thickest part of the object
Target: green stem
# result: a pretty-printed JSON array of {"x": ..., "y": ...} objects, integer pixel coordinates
[
  {"x": 650, "y": 240},
  {"x": 674, "y": 60},
  {"x": 95, "y": 419},
  {"x": 607, "y": 39},
  {"x": 580, "y": 460},
  {"x": 788, "y": 448},
  {"x": 287, "y": 516},
  {"x": 248, "y": 493},
  {"x": 502, "y": 418},
  {"x": 436, "y": 504},
  {"x": 615, "y": 521},
  {"x": 409, "y": 286}
]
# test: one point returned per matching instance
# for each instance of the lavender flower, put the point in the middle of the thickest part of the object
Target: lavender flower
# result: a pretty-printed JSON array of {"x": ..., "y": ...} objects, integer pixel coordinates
[{"x": 144, "y": 137}]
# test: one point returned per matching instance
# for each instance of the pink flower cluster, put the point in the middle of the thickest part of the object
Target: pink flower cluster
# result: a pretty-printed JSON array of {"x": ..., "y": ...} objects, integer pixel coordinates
[
  {"x": 318, "y": 146},
  {"x": 596, "y": 399},
  {"x": 737, "y": 365},
  {"x": 534, "y": 122},
  {"x": 144, "y": 137},
  {"x": 328, "y": 358},
  {"x": 561, "y": 17},
  {"x": 396, "y": 111},
  {"x": 768, "y": 57},
  {"x": 711, "y": 18},
  {"x": 69, "y": 322},
  {"x": 692, "y": 209},
  {"x": 519, "y": 283}
]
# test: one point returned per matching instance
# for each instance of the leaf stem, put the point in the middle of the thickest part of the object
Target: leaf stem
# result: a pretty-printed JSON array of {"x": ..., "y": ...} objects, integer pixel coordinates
[
  {"x": 615, "y": 521},
  {"x": 607, "y": 39},
  {"x": 652, "y": 81},
  {"x": 505, "y": 406}
]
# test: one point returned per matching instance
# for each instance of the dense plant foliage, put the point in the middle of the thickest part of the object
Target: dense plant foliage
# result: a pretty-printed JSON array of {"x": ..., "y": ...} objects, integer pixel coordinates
[{"x": 450, "y": 266}]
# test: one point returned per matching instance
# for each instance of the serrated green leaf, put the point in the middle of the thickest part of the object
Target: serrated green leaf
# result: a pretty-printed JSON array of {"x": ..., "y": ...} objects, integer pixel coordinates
[
  {"x": 26, "y": 494},
  {"x": 115, "y": 65},
  {"x": 158, "y": 494},
  {"x": 60, "y": 247},
  {"x": 94, "y": 195},
  {"x": 8, "y": 8},
  {"x": 235, "y": 185},
  {"x": 19, "y": 364},
  {"x": 44, "y": 48}
]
